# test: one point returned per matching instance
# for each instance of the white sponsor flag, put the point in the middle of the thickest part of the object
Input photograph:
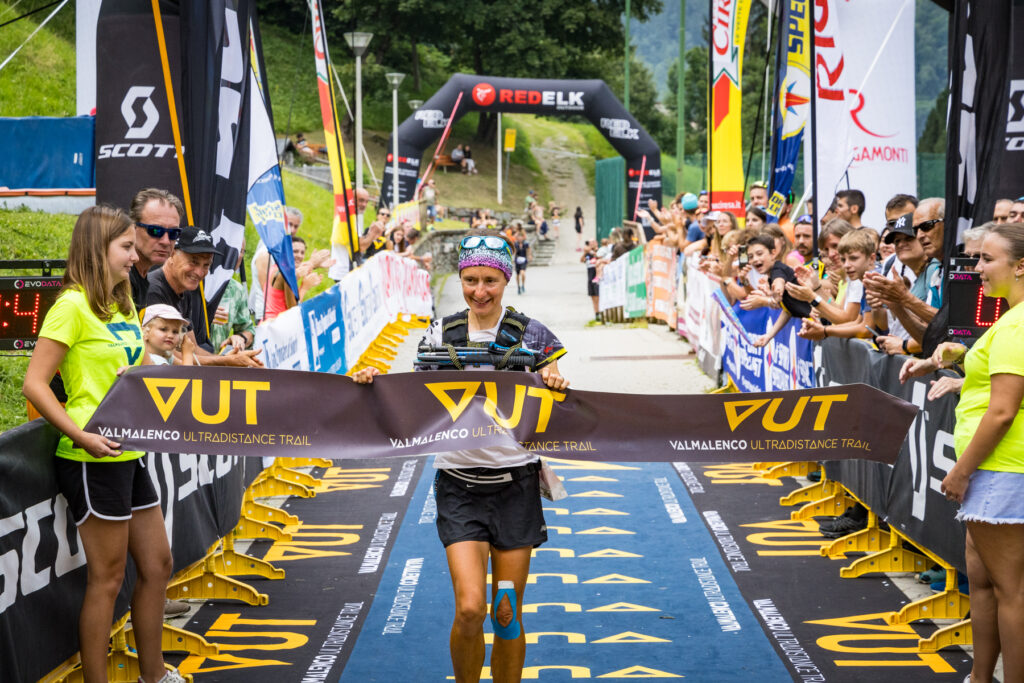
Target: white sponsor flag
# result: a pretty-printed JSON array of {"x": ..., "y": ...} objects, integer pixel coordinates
[{"x": 865, "y": 126}]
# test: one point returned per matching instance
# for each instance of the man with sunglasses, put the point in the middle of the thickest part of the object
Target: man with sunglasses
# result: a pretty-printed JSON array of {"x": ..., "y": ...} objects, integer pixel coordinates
[
  {"x": 915, "y": 307},
  {"x": 157, "y": 216}
]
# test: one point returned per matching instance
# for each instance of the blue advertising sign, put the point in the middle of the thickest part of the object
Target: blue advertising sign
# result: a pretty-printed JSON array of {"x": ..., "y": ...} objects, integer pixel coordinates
[{"x": 324, "y": 328}]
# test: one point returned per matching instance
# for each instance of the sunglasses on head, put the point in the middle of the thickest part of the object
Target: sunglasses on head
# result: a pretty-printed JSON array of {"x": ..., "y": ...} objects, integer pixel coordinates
[
  {"x": 487, "y": 241},
  {"x": 157, "y": 231},
  {"x": 925, "y": 226}
]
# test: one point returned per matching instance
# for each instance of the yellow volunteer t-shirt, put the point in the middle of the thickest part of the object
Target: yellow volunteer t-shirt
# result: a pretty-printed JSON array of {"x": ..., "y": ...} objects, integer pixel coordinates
[
  {"x": 96, "y": 349},
  {"x": 998, "y": 351}
]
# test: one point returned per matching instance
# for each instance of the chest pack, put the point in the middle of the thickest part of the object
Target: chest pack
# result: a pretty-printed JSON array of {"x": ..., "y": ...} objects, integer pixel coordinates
[{"x": 455, "y": 332}]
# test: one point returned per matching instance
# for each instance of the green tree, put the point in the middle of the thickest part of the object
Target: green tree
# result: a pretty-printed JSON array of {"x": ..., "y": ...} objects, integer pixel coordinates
[{"x": 933, "y": 137}]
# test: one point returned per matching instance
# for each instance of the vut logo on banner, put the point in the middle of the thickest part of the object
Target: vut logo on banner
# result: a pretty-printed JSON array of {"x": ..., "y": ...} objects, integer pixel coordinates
[
  {"x": 738, "y": 411},
  {"x": 471, "y": 389},
  {"x": 484, "y": 94}
]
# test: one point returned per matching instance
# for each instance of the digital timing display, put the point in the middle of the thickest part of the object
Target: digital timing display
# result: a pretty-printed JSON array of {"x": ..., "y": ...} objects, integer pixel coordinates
[
  {"x": 24, "y": 302},
  {"x": 971, "y": 313}
]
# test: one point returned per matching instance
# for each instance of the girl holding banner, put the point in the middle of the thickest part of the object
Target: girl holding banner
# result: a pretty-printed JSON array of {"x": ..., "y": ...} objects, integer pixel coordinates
[
  {"x": 488, "y": 500},
  {"x": 90, "y": 335}
]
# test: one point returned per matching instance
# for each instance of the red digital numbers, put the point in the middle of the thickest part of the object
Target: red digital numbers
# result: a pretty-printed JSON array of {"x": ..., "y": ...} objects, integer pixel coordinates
[
  {"x": 981, "y": 305},
  {"x": 22, "y": 314}
]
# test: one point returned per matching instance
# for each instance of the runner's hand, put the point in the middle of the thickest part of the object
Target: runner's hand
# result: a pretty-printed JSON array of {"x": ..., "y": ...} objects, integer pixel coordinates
[
  {"x": 554, "y": 380},
  {"x": 365, "y": 376}
]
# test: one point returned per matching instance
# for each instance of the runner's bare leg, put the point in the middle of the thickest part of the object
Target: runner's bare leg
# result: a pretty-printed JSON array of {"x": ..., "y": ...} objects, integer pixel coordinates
[{"x": 467, "y": 564}]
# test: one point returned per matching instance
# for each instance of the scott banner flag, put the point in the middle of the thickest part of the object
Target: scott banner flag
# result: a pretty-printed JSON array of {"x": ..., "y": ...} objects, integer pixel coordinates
[
  {"x": 864, "y": 124},
  {"x": 725, "y": 157},
  {"x": 137, "y": 67},
  {"x": 792, "y": 98},
  {"x": 985, "y": 147},
  {"x": 267, "y": 412}
]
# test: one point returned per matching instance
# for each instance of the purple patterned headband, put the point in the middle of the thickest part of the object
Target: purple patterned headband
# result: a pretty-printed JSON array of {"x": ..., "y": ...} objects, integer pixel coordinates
[{"x": 491, "y": 258}]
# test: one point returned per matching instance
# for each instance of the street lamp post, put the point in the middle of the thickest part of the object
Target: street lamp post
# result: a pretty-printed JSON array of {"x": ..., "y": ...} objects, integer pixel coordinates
[
  {"x": 359, "y": 41},
  {"x": 394, "y": 79}
]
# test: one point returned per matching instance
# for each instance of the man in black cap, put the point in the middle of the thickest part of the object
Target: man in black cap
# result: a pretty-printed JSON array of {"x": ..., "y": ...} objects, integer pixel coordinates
[{"x": 177, "y": 284}]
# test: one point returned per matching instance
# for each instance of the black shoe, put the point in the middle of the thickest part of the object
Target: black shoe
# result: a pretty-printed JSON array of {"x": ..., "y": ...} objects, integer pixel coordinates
[
  {"x": 847, "y": 523},
  {"x": 814, "y": 476}
]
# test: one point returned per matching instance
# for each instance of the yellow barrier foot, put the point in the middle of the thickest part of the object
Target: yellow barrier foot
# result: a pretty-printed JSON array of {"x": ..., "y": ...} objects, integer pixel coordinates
[
  {"x": 791, "y": 469},
  {"x": 949, "y": 604},
  {"x": 230, "y": 562},
  {"x": 270, "y": 487},
  {"x": 956, "y": 635},
  {"x": 212, "y": 586},
  {"x": 868, "y": 540},
  {"x": 266, "y": 513},
  {"x": 122, "y": 665},
  {"x": 729, "y": 388},
  {"x": 277, "y": 471},
  {"x": 251, "y": 528},
  {"x": 894, "y": 559},
  {"x": 305, "y": 462},
  {"x": 174, "y": 639},
  {"x": 765, "y": 466},
  {"x": 812, "y": 492},
  {"x": 832, "y": 506}
]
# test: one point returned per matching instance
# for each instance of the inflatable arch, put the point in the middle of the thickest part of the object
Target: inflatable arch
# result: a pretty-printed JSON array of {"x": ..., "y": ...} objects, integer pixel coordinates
[{"x": 592, "y": 99}]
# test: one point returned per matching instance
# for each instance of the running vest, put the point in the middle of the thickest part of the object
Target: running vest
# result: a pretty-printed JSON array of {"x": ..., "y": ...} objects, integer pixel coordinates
[{"x": 455, "y": 332}]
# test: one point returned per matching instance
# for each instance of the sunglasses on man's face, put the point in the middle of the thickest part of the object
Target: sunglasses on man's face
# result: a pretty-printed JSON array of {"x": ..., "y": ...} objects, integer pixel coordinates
[
  {"x": 925, "y": 226},
  {"x": 158, "y": 231}
]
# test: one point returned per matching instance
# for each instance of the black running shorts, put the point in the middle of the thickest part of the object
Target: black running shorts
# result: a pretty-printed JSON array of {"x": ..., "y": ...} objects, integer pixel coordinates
[
  {"x": 108, "y": 490},
  {"x": 507, "y": 515}
]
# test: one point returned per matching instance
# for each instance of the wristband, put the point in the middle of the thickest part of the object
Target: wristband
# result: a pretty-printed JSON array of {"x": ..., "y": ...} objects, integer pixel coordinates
[
  {"x": 905, "y": 349},
  {"x": 816, "y": 300}
]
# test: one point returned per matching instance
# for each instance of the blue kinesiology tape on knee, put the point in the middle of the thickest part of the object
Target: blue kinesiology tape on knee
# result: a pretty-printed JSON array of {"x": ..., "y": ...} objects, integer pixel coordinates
[{"x": 506, "y": 589}]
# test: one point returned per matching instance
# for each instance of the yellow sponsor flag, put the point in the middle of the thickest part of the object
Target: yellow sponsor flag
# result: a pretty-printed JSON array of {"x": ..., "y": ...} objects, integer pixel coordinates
[{"x": 725, "y": 158}]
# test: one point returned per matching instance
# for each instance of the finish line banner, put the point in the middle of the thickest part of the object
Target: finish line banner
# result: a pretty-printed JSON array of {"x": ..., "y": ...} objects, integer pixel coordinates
[{"x": 234, "y": 411}]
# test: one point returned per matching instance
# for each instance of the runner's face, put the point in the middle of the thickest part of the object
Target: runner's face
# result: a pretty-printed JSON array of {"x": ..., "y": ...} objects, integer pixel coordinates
[
  {"x": 121, "y": 255},
  {"x": 483, "y": 288},
  {"x": 156, "y": 212}
]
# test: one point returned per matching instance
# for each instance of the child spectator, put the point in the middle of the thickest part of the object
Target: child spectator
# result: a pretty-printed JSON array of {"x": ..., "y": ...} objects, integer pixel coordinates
[
  {"x": 761, "y": 253},
  {"x": 163, "y": 329},
  {"x": 857, "y": 250}
]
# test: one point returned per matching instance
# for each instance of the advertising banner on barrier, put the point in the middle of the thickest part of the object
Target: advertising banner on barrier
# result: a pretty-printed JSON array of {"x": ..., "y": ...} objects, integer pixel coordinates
[
  {"x": 907, "y": 495},
  {"x": 39, "y": 603},
  {"x": 612, "y": 290},
  {"x": 257, "y": 412},
  {"x": 363, "y": 308},
  {"x": 636, "y": 285},
  {"x": 702, "y": 326},
  {"x": 787, "y": 362},
  {"x": 725, "y": 160},
  {"x": 324, "y": 329},
  {"x": 864, "y": 123},
  {"x": 283, "y": 341},
  {"x": 661, "y": 283},
  {"x": 406, "y": 285}
]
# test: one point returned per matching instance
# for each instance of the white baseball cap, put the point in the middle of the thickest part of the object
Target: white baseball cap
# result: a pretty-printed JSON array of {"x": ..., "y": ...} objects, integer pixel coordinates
[{"x": 163, "y": 311}]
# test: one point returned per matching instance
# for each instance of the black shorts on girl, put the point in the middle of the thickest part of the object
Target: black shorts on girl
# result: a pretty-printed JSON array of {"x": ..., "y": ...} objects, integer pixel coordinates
[
  {"x": 507, "y": 514},
  {"x": 108, "y": 490}
]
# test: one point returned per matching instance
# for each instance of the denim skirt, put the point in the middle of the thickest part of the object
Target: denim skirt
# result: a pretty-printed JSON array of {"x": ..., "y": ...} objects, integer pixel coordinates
[{"x": 994, "y": 498}]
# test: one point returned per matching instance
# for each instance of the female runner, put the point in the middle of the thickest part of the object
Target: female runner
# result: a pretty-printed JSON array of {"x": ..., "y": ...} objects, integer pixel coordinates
[
  {"x": 90, "y": 333},
  {"x": 488, "y": 499}
]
